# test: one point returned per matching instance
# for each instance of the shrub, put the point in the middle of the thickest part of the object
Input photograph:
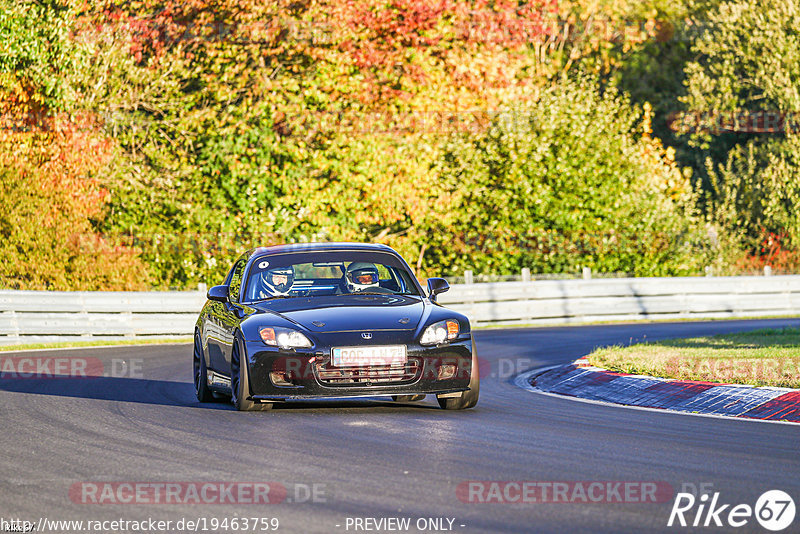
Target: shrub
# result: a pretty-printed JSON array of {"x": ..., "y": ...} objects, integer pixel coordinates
[
  {"x": 572, "y": 180},
  {"x": 51, "y": 192},
  {"x": 748, "y": 64}
]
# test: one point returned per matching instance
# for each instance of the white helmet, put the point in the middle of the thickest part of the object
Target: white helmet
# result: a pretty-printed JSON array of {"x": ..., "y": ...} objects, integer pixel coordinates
[
  {"x": 277, "y": 281},
  {"x": 361, "y": 276}
]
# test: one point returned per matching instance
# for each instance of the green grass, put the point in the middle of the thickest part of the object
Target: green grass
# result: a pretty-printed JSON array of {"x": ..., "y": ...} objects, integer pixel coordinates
[
  {"x": 769, "y": 357},
  {"x": 629, "y": 321},
  {"x": 95, "y": 343}
]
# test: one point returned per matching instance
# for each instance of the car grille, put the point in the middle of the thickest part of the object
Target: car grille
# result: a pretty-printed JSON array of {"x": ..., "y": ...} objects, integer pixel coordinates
[{"x": 368, "y": 375}]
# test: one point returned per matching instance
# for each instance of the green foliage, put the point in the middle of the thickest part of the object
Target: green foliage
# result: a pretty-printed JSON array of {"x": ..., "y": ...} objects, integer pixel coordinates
[
  {"x": 749, "y": 58},
  {"x": 447, "y": 129},
  {"x": 757, "y": 192},
  {"x": 53, "y": 159},
  {"x": 203, "y": 165},
  {"x": 748, "y": 62},
  {"x": 36, "y": 50},
  {"x": 267, "y": 135},
  {"x": 572, "y": 180}
]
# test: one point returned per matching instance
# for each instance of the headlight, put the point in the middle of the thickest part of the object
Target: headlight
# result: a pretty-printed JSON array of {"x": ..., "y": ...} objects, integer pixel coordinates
[
  {"x": 440, "y": 332},
  {"x": 285, "y": 338}
]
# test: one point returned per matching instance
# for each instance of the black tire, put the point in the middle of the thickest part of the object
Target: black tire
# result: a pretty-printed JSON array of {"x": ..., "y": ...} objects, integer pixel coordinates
[
  {"x": 468, "y": 399},
  {"x": 240, "y": 383},
  {"x": 200, "y": 372},
  {"x": 407, "y": 398}
]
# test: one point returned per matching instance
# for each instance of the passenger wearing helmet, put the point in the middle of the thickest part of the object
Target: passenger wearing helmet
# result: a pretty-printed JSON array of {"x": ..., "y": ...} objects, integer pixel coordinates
[
  {"x": 276, "y": 282},
  {"x": 361, "y": 276}
]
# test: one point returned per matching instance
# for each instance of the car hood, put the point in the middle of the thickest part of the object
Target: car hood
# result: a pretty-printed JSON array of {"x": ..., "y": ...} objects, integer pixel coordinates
[{"x": 349, "y": 312}]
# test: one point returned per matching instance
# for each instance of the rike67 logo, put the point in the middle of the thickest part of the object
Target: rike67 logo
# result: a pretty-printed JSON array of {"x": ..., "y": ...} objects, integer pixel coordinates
[{"x": 774, "y": 510}]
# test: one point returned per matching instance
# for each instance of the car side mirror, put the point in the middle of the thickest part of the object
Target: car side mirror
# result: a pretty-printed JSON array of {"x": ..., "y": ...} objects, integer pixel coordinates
[
  {"x": 218, "y": 293},
  {"x": 436, "y": 286}
]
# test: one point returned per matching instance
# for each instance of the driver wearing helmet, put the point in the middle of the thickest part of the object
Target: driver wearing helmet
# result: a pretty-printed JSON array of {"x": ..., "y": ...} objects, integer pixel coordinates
[
  {"x": 276, "y": 282},
  {"x": 361, "y": 276}
]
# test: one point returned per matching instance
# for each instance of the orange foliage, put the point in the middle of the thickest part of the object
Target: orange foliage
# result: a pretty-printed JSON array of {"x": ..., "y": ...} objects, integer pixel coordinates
[
  {"x": 772, "y": 251},
  {"x": 400, "y": 46},
  {"x": 51, "y": 191}
]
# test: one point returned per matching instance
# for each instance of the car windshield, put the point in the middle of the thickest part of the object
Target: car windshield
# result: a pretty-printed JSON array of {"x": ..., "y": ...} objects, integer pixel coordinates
[{"x": 340, "y": 273}]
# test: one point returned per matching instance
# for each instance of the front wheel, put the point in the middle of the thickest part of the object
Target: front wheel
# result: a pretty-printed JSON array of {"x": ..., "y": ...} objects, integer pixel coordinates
[
  {"x": 468, "y": 399},
  {"x": 240, "y": 382},
  {"x": 200, "y": 372}
]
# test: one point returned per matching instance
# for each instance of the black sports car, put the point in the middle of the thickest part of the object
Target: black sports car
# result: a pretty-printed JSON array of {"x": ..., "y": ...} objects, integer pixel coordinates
[{"x": 331, "y": 320}]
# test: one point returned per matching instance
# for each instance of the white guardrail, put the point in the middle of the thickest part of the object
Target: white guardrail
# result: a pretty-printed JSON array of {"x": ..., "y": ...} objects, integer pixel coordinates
[{"x": 49, "y": 316}]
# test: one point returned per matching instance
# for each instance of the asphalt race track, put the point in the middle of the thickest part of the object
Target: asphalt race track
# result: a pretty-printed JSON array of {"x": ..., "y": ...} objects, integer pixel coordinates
[{"x": 377, "y": 458}]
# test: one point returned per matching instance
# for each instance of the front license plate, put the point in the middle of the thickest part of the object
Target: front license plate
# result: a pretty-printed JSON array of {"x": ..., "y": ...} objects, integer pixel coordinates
[{"x": 376, "y": 355}]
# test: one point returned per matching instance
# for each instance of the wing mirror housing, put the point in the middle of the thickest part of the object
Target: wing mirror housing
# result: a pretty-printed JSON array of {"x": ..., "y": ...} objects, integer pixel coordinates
[
  {"x": 436, "y": 286},
  {"x": 218, "y": 293}
]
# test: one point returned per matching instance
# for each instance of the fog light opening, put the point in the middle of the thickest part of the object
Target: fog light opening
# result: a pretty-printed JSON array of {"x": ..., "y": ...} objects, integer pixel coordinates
[
  {"x": 281, "y": 378},
  {"x": 447, "y": 371}
]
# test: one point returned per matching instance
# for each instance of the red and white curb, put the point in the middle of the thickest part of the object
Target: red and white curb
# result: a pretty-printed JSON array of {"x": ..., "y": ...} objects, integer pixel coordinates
[{"x": 582, "y": 381}]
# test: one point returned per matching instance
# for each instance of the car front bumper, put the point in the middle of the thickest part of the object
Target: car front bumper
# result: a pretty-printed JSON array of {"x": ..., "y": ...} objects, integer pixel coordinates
[{"x": 277, "y": 374}]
